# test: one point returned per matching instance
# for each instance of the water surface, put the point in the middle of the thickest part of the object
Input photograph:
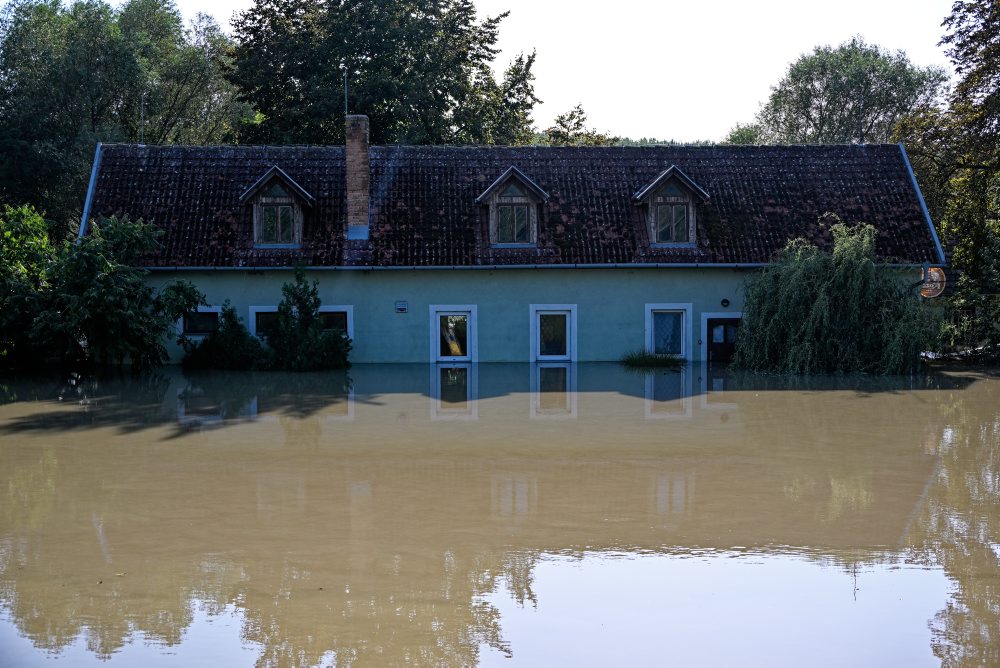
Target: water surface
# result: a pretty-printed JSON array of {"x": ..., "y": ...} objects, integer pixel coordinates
[{"x": 500, "y": 515}]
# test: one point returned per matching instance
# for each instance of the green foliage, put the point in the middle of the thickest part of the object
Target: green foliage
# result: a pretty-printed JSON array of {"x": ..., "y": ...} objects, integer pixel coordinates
[
  {"x": 419, "y": 69},
  {"x": 746, "y": 134},
  {"x": 854, "y": 92},
  {"x": 642, "y": 359},
  {"x": 955, "y": 152},
  {"x": 230, "y": 347},
  {"x": 74, "y": 74},
  {"x": 570, "y": 129},
  {"x": 24, "y": 255},
  {"x": 813, "y": 311},
  {"x": 299, "y": 342},
  {"x": 95, "y": 307}
]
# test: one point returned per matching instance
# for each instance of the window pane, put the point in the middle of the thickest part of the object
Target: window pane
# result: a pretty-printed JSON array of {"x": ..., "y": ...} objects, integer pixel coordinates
[
  {"x": 521, "y": 224},
  {"x": 505, "y": 227},
  {"x": 667, "y": 332},
  {"x": 269, "y": 225},
  {"x": 680, "y": 222},
  {"x": 275, "y": 190},
  {"x": 266, "y": 323},
  {"x": 664, "y": 229},
  {"x": 552, "y": 334},
  {"x": 334, "y": 320},
  {"x": 454, "y": 336},
  {"x": 201, "y": 323},
  {"x": 512, "y": 190},
  {"x": 285, "y": 224}
]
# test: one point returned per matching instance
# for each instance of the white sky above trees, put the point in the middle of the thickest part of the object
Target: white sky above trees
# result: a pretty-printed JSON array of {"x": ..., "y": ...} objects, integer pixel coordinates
[{"x": 679, "y": 70}]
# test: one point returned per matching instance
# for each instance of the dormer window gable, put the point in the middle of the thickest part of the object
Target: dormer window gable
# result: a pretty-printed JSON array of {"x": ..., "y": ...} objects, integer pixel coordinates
[
  {"x": 278, "y": 203},
  {"x": 513, "y": 200},
  {"x": 670, "y": 201}
]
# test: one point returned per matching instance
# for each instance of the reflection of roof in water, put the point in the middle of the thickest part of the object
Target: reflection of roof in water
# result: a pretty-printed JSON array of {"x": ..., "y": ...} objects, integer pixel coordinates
[{"x": 279, "y": 495}]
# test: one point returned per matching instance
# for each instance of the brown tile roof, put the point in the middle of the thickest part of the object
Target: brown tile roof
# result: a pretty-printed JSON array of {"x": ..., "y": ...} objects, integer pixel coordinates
[{"x": 424, "y": 210}]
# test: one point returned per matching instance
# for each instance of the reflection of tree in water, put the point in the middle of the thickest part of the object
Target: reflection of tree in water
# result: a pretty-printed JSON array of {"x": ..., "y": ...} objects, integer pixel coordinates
[{"x": 960, "y": 526}]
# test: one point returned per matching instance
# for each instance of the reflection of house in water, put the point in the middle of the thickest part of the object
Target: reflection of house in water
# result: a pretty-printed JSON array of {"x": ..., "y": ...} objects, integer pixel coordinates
[
  {"x": 454, "y": 391},
  {"x": 553, "y": 390},
  {"x": 386, "y": 538}
]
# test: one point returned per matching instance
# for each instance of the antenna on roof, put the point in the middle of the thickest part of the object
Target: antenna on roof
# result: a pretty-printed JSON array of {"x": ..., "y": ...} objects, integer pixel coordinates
[
  {"x": 142, "y": 119},
  {"x": 345, "y": 90}
]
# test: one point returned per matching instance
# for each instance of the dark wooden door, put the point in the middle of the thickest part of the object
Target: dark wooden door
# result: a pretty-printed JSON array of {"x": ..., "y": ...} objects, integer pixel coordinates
[{"x": 722, "y": 338}]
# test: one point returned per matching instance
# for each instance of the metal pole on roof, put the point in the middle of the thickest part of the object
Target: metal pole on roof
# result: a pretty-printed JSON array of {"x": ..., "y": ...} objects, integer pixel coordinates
[
  {"x": 142, "y": 120},
  {"x": 345, "y": 92}
]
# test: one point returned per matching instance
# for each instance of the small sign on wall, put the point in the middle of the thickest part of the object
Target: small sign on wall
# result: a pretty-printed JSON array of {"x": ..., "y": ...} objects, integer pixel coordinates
[{"x": 402, "y": 307}]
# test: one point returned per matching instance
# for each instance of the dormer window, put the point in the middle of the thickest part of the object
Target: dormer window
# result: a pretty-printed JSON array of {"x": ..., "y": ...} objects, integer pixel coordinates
[
  {"x": 278, "y": 203},
  {"x": 670, "y": 206},
  {"x": 672, "y": 213},
  {"x": 277, "y": 217},
  {"x": 514, "y": 201}
]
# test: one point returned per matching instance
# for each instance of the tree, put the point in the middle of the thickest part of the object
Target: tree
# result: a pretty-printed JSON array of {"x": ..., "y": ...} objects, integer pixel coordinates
[
  {"x": 420, "y": 69},
  {"x": 230, "y": 347},
  {"x": 746, "y": 134},
  {"x": 96, "y": 308},
  {"x": 299, "y": 341},
  {"x": 956, "y": 155},
  {"x": 813, "y": 311},
  {"x": 570, "y": 129},
  {"x": 24, "y": 255},
  {"x": 72, "y": 75},
  {"x": 854, "y": 92}
]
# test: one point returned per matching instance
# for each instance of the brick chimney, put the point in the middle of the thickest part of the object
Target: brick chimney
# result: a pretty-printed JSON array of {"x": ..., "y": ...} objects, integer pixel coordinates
[{"x": 358, "y": 177}]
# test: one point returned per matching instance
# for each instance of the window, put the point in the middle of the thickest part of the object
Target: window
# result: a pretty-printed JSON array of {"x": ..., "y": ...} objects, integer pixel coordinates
[
  {"x": 668, "y": 329},
  {"x": 513, "y": 216},
  {"x": 453, "y": 334},
  {"x": 264, "y": 319},
  {"x": 277, "y": 218},
  {"x": 553, "y": 332},
  {"x": 199, "y": 323},
  {"x": 672, "y": 212}
]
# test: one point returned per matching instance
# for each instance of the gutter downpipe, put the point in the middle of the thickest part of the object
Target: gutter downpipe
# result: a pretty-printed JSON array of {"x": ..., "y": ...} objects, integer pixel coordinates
[
  {"x": 923, "y": 205},
  {"x": 85, "y": 218}
]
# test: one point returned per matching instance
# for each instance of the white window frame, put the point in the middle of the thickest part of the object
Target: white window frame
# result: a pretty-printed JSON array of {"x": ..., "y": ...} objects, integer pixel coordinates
[
  {"x": 273, "y": 308},
  {"x": 535, "y": 310},
  {"x": 471, "y": 332},
  {"x": 687, "y": 327},
  {"x": 201, "y": 309}
]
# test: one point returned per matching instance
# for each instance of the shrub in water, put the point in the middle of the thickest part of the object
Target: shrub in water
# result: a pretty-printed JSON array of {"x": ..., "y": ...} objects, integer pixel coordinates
[
  {"x": 813, "y": 311},
  {"x": 299, "y": 342},
  {"x": 230, "y": 347}
]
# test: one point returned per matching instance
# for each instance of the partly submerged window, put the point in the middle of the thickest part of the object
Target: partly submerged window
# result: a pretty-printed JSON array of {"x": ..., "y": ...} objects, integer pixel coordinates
[
  {"x": 668, "y": 332},
  {"x": 453, "y": 333},
  {"x": 200, "y": 323}
]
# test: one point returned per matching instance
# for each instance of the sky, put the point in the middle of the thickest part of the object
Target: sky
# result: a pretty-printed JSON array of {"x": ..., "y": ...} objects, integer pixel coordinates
[{"x": 685, "y": 71}]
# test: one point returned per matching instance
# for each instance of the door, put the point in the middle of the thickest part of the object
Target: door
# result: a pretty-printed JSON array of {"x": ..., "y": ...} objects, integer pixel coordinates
[{"x": 722, "y": 339}]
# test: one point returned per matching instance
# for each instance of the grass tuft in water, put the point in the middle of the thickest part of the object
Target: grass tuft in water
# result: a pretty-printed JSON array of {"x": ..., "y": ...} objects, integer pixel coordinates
[{"x": 641, "y": 359}]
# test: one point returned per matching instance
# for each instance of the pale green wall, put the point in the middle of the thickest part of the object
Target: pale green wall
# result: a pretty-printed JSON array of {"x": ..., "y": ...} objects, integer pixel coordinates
[{"x": 610, "y": 304}]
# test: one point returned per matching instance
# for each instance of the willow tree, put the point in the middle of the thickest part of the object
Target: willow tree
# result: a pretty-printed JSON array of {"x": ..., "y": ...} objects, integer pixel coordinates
[{"x": 817, "y": 311}]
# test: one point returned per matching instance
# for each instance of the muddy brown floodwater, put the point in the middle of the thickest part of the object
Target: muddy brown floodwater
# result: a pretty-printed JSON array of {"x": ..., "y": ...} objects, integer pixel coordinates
[{"x": 500, "y": 515}]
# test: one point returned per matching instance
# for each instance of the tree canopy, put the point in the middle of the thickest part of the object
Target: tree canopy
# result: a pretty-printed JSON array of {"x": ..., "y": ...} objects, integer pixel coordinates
[
  {"x": 852, "y": 92},
  {"x": 75, "y": 74},
  {"x": 419, "y": 69},
  {"x": 956, "y": 154}
]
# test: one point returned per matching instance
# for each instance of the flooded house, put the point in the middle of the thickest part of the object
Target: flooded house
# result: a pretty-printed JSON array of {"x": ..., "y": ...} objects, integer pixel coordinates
[{"x": 503, "y": 254}]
